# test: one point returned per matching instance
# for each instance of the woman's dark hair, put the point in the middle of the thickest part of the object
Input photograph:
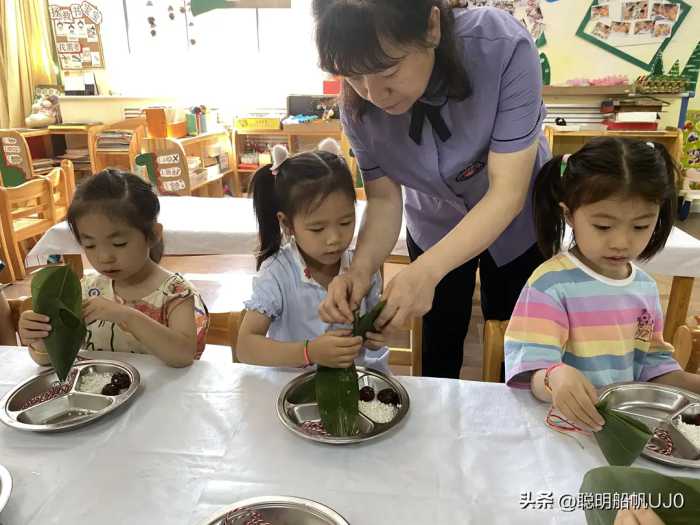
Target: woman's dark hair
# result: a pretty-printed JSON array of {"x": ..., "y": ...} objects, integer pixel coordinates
[
  {"x": 349, "y": 36},
  {"x": 604, "y": 167},
  {"x": 301, "y": 184},
  {"x": 122, "y": 196}
]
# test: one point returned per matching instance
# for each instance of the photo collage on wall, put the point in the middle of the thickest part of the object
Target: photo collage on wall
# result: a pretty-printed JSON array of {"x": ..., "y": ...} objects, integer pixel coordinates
[
  {"x": 76, "y": 34},
  {"x": 633, "y": 22},
  {"x": 528, "y": 12}
]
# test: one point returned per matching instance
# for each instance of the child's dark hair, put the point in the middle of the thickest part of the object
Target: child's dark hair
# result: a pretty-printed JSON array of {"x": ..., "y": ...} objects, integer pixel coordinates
[
  {"x": 301, "y": 184},
  {"x": 121, "y": 196},
  {"x": 349, "y": 36},
  {"x": 604, "y": 167}
]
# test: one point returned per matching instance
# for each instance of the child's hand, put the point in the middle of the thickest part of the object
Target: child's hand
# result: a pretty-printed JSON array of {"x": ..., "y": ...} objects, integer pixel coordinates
[
  {"x": 575, "y": 397},
  {"x": 375, "y": 340},
  {"x": 101, "y": 309},
  {"x": 637, "y": 517},
  {"x": 335, "y": 349},
  {"x": 33, "y": 328}
]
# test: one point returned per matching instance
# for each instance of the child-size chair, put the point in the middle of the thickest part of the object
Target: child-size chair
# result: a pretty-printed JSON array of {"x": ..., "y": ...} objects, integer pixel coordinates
[
  {"x": 26, "y": 211},
  {"x": 62, "y": 182}
]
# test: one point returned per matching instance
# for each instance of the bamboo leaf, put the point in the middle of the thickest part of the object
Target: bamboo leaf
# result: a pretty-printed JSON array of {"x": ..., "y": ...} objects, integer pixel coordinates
[
  {"x": 337, "y": 395},
  {"x": 659, "y": 491},
  {"x": 364, "y": 324},
  {"x": 622, "y": 438},
  {"x": 56, "y": 293}
]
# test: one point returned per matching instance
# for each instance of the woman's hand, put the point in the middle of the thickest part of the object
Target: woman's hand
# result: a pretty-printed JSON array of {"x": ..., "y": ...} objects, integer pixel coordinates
[
  {"x": 345, "y": 293},
  {"x": 101, "y": 309},
  {"x": 408, "y": 295},
  {"x": 575, "y": 397}
]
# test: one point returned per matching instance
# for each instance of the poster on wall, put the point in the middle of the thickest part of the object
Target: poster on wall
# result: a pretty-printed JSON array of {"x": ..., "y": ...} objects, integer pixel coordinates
[
  {"x": 528, "y": 12},
  {"x": 634, "y": 30},
  {"x": 76, "y": 34}
]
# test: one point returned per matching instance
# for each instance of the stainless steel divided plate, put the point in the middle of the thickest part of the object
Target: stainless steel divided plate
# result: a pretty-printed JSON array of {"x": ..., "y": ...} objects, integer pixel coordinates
[
  {"x": 276, "y": 510},
  {"x": 5, "y": 487},
  {"x": 43, "y": 404},
  {"x": 298, "y": 411},
  {"x": 657, "y": 406}
]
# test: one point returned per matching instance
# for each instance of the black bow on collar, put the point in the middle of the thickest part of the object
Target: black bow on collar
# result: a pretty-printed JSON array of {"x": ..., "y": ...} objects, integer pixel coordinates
[{"x": 436, "y": 94}]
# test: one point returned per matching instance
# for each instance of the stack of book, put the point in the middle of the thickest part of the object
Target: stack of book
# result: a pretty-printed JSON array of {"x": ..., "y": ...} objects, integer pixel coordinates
[
  {"x": 43, "y": 166},
  {"x": 79, "y": 157},
  {"x": 640, "y": 114},
  {"x": 114, "y": 140}
]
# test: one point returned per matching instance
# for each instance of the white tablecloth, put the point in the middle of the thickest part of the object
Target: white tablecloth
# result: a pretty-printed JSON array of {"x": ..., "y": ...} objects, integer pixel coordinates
[
  {"x": 192, "y": 226},
  {"x": 197, "y": 439}
]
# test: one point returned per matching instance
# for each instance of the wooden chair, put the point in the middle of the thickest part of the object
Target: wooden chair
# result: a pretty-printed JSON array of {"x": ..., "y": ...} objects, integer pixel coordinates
[
  {"x": 686, "y": 344},
  {"x": 7, "y": 275},
  {"x": 223, "y": 331},
  {"x": 62, "y": 182},
  {"x": 121, "y": 159},
  {"x": 26, "y": 211},
  {"x": 413, "y": 355},
  {"x": 493, "y": 355},
  {"x": 15, "y": 159},
  {"x": 171, "y": 175}
]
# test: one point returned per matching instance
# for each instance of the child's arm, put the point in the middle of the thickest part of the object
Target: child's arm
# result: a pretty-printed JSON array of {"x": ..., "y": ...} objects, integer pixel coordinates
[
  {"x": 681, "y": 379},
  {"x": 7, "y": 334},
  {"x": 333, "y": 349},
  {"x": 537, "y": 333},
  {"x": 571, "y": 393},
  {"x": 175, "y": 344}
]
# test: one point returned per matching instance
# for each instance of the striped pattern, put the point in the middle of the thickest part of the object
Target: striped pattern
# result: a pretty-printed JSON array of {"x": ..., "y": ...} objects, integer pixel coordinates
[{"x": 609, "y": 330}]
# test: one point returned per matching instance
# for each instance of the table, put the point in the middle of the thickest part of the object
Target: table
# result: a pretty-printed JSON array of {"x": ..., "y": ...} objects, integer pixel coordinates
[
  {"x": 197, "y": 439},
  {"x": 193, "y": 226}
]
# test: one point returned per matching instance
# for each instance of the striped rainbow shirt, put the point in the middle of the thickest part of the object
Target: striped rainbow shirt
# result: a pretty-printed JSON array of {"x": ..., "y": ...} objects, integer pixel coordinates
[{"x": 611, "y": 330}]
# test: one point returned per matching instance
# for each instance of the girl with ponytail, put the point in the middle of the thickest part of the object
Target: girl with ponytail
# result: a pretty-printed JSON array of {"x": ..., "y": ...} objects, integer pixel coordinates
[
  {"x": 588, "y": 316},
  {"x": 132, "y": 304},
  {"x": 305, "y": 209}
]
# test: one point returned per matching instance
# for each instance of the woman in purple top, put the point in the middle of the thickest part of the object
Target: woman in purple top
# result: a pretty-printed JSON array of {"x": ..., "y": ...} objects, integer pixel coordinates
[{"x": 446, "y": 106}]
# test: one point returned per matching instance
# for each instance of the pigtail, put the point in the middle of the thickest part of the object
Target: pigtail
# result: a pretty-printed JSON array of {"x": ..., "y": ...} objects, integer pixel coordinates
[
  {"x": 548, "y": 214},
  {"x": 266, "y": 206},
  {"x": 667, "y": 205}
]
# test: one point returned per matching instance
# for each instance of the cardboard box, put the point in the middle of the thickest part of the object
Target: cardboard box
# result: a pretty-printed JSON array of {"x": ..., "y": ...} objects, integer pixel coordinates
[{"x": 258, "y": 123}]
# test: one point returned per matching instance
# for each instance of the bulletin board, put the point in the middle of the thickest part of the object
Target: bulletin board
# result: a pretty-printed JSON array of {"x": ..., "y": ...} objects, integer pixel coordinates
[
  {"x": 527, "y": 12},
  {"x": 76, "y": 34},
  {"x": 634, "y": 30}
]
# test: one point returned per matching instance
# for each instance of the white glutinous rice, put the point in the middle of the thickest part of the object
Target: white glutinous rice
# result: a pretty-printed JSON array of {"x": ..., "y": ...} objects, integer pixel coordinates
[
  {"x": 94, "y": 382},
  {"x": 377, "y": 411},
  {"x": 691, "y": 432}
]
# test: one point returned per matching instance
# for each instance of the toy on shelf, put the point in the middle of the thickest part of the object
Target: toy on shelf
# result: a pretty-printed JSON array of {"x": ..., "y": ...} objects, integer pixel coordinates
[
  {"x": 675, "y": 80},
  {"x": 45, "y": 111},
  {"x": 690, "y": 163},
  {"x": 610, "y": 80}
]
